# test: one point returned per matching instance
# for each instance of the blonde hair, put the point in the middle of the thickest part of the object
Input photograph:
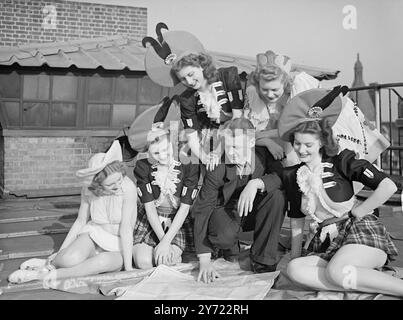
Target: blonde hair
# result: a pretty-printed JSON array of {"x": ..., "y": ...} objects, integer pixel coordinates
[
  {"x": 270, "y": 73},
  {"x": 96, "y": 185}
]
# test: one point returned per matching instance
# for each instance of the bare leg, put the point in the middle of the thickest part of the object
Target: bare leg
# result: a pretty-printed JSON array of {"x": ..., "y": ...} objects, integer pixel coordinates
[
  {"x": 297, "y": 233},
  {"x": 79, "y": 250},
  {"x": 351, "y": 269},
  {"x": 311, "y": 272},
  {"x": 102, "y": 262},
  {"x": 143, "y": 256},
  {"x": 78, "y": 259}
]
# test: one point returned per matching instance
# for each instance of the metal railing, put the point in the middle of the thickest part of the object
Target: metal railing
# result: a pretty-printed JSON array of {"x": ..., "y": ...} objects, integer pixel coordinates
[{"x": 391, "y": 160}]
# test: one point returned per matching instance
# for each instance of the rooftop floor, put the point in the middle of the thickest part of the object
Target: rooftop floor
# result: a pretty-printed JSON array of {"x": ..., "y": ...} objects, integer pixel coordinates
[{"x": 37, "y": 227}]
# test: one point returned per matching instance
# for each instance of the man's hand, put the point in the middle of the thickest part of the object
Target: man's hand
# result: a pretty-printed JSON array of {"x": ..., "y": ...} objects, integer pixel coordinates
[
  {"x": 248, "y": 194},
  {"x": 207, "y": 273},
  {"x": 275, "y": 149},
  {"x": 211, "y": 161}
]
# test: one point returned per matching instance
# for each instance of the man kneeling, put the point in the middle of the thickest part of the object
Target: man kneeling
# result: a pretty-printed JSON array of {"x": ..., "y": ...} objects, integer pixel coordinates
[{"x": 242, "y": 194}]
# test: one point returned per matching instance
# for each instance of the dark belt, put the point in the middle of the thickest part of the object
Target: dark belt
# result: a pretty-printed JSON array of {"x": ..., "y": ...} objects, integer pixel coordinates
[{"x": 333, "y": 220}]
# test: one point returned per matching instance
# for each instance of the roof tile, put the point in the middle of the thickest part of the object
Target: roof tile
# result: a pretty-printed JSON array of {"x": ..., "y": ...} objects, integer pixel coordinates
[{"x": 116, "y": 53}]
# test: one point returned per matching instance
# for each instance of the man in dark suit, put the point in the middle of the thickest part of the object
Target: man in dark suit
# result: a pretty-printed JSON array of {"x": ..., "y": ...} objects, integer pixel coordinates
[{"x": 243, "y": 193}]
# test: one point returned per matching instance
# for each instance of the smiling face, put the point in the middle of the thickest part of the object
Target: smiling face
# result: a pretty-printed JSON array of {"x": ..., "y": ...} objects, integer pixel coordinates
[
  {"x": 307, "y": 146},
  {"x": 161, "y": 151},
  {"x": 112, "y": 183},
  {"x": 192, "y": 77},
  {"x": 271, "y": 91}
]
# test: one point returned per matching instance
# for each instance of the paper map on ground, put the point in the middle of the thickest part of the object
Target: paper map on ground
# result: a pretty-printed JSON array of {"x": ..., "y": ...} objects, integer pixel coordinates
[{"x": 166, "y": 283}]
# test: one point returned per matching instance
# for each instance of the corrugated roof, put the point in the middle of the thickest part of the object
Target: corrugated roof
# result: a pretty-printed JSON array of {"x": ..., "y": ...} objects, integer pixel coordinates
[{"x": 117, "y": 53}]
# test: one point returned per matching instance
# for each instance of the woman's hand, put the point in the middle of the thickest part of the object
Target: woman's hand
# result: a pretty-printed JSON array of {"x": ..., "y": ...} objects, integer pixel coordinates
[
  {"x": 358, "y": 213},
  {"x": 382, "y": 193},
  {"x": 207, "y": 272},
  {"x": 163, "y": 253}
]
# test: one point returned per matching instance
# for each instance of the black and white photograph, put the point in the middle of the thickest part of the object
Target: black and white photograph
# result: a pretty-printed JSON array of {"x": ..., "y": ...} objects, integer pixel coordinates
[{"x": 201, "y": 155}]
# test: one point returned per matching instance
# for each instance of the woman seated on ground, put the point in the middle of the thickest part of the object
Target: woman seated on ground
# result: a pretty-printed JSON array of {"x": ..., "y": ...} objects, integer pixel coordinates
[
  {"x": 272, "y": 84},
  {"x": 100, "y": 239},
  {"x": 349, "y": 241},
  {"x": 166, "y": 189}
]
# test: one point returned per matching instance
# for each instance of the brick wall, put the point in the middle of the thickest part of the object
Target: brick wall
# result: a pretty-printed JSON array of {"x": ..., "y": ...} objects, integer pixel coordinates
[
  {"x": 33, "y": 163},
  {"x": 1, "y": 163},
  {"x": 23, "y": 21}
]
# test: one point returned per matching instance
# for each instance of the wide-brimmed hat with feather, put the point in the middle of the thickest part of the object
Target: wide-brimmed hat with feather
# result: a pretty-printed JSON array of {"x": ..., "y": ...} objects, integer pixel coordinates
[
  {"x": 165, "y": 50},
  {"x": 314, "y": 104}
]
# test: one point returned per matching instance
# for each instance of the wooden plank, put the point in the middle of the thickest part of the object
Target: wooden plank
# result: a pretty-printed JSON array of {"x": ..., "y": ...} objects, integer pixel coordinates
[
  {"x": 41, "y": 225},
  {"x": 33, "y": 233},
  {"x": 46, "y": 202},
  {"x": 36, "y": 193},
  {"x": 32, "y": 243},
  {"x": 25, "y": 255},
  {"x": 62, "y": 216}
]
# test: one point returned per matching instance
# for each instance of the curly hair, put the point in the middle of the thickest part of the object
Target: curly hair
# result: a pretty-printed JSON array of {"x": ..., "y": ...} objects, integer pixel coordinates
[
  {"x": 96, "y": 185},
  {"x": 270, "y": 73},
  {"x": 323, "y": 130},
  {"x": 201, "y": 60}
]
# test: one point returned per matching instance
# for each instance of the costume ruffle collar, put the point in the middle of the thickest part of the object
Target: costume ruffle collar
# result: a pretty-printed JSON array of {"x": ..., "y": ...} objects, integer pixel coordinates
[
  {"x": 166, "y": 178},
  {"x": 311, "y": 185},
  {"x": 212, "y": 100}
]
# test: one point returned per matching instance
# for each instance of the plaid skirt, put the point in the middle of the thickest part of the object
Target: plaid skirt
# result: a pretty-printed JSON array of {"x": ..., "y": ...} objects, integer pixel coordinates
[
  {"x": 143, "y": 232},
  {"x": 368, "y": 231}
]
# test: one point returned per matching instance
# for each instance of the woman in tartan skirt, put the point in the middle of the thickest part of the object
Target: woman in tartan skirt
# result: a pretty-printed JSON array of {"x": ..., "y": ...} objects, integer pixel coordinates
[
  {"x": 349, "y": 242},
  {"x": 166, "y": 189}
]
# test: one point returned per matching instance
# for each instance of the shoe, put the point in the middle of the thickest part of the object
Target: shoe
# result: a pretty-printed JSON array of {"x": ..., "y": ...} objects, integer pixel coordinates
[
  {"x": 228, "y": 255},
  {"x": 22, "y": 276},
  {"x": 217, "y": 253},
  {"x": 27, "y": 275},
  {"x": 231, "y": 255},
  {"x": 262, "y": 268},
  {"x": 33, "y": 264}
]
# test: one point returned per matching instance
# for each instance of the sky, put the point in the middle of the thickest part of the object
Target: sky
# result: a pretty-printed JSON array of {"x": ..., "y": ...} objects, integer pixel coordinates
[{"x": 311, "y": 32}]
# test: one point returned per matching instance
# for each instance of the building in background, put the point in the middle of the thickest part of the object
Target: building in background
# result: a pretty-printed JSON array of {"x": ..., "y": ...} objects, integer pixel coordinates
[
  {"x": 364, "y": 98},
  {"x": 390, "y": 127},
  {"x": 71, "y": 77}
]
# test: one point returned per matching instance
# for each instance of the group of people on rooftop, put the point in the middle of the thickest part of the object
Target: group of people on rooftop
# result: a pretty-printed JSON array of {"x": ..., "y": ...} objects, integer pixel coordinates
[{"x": 282, "y": 146}]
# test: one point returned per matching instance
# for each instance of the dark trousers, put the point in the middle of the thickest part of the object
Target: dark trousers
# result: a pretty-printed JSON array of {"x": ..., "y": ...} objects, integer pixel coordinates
[{"x": 265, "y": 220}]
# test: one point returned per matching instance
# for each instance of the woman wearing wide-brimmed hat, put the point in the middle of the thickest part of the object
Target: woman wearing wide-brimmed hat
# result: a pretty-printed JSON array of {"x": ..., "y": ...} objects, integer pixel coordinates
[
  {"x": 100, "y": 239},
  {"x": 348, "y": 241}
]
